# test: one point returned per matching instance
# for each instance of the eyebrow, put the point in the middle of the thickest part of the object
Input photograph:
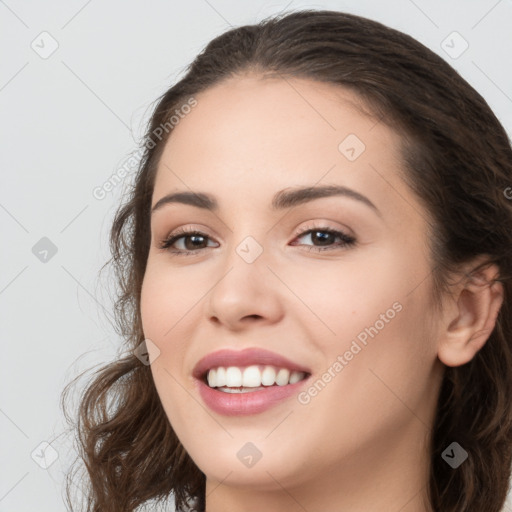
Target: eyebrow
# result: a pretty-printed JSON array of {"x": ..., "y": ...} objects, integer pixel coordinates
[{"x": 281, "y": 200}]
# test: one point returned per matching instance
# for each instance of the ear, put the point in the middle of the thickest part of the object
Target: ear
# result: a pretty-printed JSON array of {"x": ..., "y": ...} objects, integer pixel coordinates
[{"x": 470, "y": 316}]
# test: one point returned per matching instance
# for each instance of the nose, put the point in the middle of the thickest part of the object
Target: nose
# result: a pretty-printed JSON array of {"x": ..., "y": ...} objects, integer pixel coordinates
[{"x": 245, "y": 294}]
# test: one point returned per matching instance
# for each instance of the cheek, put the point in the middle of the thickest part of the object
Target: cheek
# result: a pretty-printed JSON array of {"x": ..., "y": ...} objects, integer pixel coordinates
[
  {"x": 378, "y": 371},
  {"x": 373, "y": 313},
  {"x": 391, "y": 350},
  {"x": 341, "y": 298},
  {"x": 167, "y": 320},
  {"x": 167, "y": 297}
]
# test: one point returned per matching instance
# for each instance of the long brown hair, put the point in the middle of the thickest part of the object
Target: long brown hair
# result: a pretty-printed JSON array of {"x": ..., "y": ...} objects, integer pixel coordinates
[{"x": 457, "y": 160}]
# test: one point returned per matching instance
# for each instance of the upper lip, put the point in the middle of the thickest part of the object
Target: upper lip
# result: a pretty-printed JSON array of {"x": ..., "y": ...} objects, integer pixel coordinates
[{"x": 246, "y": 357}]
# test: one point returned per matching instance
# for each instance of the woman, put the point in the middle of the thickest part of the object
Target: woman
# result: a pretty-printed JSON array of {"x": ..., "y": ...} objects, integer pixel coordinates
[{"x": 315, "y": 268}]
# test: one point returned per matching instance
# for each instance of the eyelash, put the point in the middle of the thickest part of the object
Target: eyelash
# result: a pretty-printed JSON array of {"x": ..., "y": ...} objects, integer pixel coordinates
[{"x": 347, "y": 240}]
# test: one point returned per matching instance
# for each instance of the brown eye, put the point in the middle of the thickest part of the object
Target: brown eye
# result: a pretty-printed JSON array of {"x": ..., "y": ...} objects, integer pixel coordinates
[
  {"x": 325, "y": 238},
  {"x": 193, "y": 242}
]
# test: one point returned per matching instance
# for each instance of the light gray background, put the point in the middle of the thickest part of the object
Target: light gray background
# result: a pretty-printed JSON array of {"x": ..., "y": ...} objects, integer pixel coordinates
[{"x": 70, "y": 120}]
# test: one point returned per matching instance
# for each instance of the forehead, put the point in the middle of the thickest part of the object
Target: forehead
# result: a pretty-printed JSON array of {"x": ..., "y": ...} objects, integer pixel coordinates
[
  {"x": 244, "y": 116},
  {"x": 250, "y": 136}
]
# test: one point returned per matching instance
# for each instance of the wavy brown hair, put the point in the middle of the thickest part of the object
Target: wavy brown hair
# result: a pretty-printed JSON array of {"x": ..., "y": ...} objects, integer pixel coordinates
[{"x": 457, "y": 159}]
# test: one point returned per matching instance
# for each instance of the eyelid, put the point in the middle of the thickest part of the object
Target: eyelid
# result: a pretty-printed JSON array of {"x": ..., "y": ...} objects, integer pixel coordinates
[
  {"x": 190, "y": 229},
  {"x": 301, "y": 230},
  {"x": 322, "y": 225}
]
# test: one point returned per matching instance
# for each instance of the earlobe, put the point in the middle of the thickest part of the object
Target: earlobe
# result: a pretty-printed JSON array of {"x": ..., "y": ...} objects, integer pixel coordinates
[{"x": 473, "y": 318}]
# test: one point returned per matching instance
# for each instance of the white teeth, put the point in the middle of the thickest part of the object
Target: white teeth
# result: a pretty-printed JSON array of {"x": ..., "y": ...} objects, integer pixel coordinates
[
  {"x": 268, "y": 376},
  {"x": 220, "y": 379},
  {"x": 233, "y": 377},
  {"x": 294, "y": 377},
  {"x": 283, "y": 376},
  {"x": 251, "y": 377},
  {"x": 212, "y": 378}
]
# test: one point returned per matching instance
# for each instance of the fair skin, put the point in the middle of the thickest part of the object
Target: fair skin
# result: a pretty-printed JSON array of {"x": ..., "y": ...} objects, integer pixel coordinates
[{"x": 361, "y": 444}]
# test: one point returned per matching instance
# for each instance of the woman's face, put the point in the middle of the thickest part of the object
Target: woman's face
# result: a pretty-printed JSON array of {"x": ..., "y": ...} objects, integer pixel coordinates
[{"x": 348, "y": 309}]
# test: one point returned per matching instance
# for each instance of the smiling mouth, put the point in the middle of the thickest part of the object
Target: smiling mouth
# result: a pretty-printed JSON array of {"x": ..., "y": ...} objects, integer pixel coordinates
[{"x": 236, "y": 379}]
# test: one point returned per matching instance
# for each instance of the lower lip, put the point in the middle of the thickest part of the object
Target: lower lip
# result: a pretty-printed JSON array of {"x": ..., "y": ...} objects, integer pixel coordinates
[{"x": 252, "y": 402}]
